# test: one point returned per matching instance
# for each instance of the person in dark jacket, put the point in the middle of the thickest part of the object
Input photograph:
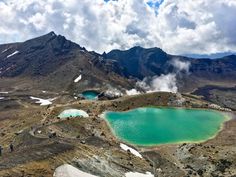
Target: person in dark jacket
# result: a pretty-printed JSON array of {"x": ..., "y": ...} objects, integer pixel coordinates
[
  {"x": 11, "y": 147},
  {"x": 0, "y": 150}
]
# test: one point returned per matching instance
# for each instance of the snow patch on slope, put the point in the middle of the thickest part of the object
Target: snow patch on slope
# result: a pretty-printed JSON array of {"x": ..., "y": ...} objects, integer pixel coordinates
[
  {"x": 136, "y": 174},
  {"x": 4, "y": 92},
  {"x": 5, "y": 50},
  {"x": 43, "y": 102},
  {"x": 78, "y": 78},
  {"x": 14, "y": 53},
  {"x": 70, "y": 171},
  {"x": 133, "y": 151}
]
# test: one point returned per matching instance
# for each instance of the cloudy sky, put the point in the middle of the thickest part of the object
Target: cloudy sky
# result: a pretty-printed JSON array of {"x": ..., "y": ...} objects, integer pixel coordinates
[{"x": 176, "y": 26}]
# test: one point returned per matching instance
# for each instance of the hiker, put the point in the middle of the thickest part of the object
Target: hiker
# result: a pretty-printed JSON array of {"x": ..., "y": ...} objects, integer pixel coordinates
[
  {"x": 11, "y": 147},
  {"x": 1, "y": 150}
]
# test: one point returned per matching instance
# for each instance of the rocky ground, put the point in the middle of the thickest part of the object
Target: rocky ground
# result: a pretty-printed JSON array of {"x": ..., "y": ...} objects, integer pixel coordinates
[
  {"x": 43, "y": 142},
  {"x": 224, "y": 96}
]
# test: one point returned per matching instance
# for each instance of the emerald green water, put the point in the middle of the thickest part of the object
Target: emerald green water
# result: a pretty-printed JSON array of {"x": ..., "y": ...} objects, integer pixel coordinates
[
  {"x": 90, "y": 95},
  {"x": 155, "y": 126}
]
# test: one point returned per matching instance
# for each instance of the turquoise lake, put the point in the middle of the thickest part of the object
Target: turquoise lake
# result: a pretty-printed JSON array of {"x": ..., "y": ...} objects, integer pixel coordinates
[
  {"x": 156, "y": 126},
  {"x": 90, "y": 95}
]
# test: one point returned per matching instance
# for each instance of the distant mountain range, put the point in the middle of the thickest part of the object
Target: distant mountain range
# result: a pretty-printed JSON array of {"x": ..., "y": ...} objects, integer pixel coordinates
[
  {"x": 53, "y": 62},
  {"x": 139, "y": 62}
]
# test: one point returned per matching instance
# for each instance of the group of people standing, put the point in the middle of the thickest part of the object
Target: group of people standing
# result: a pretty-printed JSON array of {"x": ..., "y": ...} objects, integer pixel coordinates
[{"x": 11, "y": 147}]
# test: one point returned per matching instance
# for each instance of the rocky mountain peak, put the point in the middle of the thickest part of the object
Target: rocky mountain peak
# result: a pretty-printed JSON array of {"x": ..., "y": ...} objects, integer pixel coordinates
[{"x": 57, "y": 44}]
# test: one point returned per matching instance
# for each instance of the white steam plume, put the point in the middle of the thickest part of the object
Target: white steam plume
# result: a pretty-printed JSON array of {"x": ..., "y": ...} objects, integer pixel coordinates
[
  {"x": 132, "y": 92},
  {"x": 165, "y": 83},
  {"x": 180, "y": 65},
  {"x": 161, "y": 83}
]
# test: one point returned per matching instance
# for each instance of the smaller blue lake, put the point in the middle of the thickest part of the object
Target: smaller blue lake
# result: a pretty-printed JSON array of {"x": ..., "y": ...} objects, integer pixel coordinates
[{"x": 90, "y": 95}]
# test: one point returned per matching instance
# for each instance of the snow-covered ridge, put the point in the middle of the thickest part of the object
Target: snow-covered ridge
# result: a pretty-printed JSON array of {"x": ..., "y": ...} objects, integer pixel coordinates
[
  {"x": 43, "y": 102},
  {"x": 1, "y": 98},
  {"x": 133, "y": 151},
  {"x": 78, "y": 78},
  {"x": 14, "y": 53},
  {"x": 70, "y": 171}
]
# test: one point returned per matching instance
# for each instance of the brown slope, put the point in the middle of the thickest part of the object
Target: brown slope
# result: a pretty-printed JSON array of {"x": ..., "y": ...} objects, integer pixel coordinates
[{"x": 52, "y": 62}]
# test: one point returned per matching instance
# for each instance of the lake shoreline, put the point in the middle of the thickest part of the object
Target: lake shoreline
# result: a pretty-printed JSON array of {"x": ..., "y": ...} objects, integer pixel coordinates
[{"x": 228, "y": 116}]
